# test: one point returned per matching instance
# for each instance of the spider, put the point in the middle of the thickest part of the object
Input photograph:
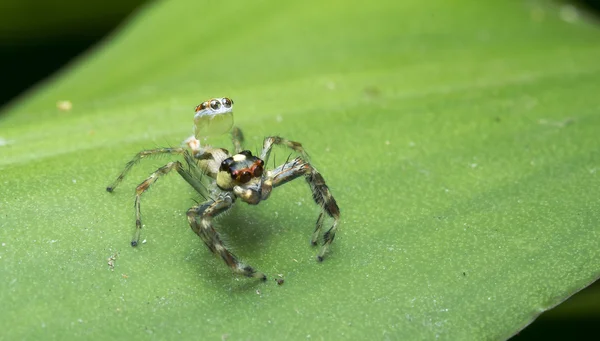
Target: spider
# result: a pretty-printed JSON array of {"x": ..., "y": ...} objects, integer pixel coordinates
[{"x": 232, "y": 177}]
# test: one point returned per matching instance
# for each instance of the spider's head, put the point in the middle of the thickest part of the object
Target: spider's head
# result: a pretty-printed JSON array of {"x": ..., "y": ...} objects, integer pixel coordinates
[
  {"x": 239, "y": 170},
  {"x": 213, "y": 117}
]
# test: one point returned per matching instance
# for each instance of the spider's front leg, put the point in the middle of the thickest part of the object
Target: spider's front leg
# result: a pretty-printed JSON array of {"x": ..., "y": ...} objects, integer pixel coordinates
[
  {"x": 320, "y": 192},
  {"x": 200, "y": 218},
  {"x": 138, "y": 157},
  {"x": 192, "y": 175},
  {"x": 270, "y": 141},
  {"x": 143, "y": 187}
]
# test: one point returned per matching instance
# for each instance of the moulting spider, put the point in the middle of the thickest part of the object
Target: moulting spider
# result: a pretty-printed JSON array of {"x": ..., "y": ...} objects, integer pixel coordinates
[{"x": 231, "y": 177}]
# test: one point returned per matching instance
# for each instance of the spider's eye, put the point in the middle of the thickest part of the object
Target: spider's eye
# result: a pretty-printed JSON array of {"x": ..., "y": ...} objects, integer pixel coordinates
[
  {"x": 215, "y": 105},
  {"x": 227, "y": 103},
  {"x": 244, "y": 177}
]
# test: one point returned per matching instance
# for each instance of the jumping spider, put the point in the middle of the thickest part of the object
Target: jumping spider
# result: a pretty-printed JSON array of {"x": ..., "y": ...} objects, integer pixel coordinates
[{"x": 241, "y": 175}]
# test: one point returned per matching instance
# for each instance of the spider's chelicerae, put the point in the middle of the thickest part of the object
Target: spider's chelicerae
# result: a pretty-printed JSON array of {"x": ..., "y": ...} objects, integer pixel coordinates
[{"x": 232, "y": 177}]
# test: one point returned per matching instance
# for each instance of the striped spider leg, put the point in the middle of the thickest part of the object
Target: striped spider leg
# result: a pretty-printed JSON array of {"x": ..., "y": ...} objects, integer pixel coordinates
[
  {"x": 320, "y": 192},
  {"x": 192, "y": 175},
  {"x": 200, "y": 218}
]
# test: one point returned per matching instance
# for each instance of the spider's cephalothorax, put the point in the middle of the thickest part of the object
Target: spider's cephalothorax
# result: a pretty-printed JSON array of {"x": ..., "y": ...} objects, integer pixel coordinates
[
  {"x": 213, "y": 117},
  {"x": 241, "y": 175}
]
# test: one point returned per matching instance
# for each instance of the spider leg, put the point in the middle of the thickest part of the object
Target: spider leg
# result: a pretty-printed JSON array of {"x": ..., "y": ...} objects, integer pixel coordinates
[
  {"x": 318, "y": 226},
  {"x": 141, "y": 155},
  {"x": 320, "y": 192},
  {"x": 237, "y": 138},
  {"x": 277, "y": 140},
  {"x": 189, "y": 176},
  {"x": 200, "y": 218}
]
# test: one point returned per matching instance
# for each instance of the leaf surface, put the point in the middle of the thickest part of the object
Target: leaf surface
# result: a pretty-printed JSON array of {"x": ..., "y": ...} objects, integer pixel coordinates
[{"x": 460, "y": 141}]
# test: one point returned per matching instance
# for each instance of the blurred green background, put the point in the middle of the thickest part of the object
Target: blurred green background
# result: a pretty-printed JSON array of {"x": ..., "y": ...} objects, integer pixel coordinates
[{"x": 38, "y": 38}]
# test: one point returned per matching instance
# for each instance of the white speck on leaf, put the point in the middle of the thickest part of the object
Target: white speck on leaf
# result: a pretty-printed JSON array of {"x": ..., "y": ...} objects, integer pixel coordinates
[
  {"x": 4, "y": 142},
  {"x": 64, "y": 105}
]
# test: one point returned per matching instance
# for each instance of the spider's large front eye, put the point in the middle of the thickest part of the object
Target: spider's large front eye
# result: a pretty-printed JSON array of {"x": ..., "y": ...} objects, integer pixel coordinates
[
  {"x": 214, "y": 104},
  {"x": 244, "y": 177},
  {"x": 227, "y": 103}
]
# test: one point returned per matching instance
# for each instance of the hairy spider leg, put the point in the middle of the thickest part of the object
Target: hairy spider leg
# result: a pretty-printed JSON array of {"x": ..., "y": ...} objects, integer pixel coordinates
[
  {"x": 270, "y": 141},
  {"x": 192, "y": 179},
  {"x": 237, "y": 137},
  {"x": 200, "y": 219},
  {"x": 155, "y": 152},
  {"x": 318, "y": 226},
  {"x": 320, "y": 192}
]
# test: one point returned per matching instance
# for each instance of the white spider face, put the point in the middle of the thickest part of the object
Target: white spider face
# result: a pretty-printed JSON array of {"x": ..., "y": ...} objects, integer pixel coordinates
[{"x": 213, "y": 117}]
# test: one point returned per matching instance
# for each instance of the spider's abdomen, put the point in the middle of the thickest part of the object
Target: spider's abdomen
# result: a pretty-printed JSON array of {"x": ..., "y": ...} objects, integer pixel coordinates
[
  {"x": 209, "y": 160},
  {"x": 239, "y": 170}
]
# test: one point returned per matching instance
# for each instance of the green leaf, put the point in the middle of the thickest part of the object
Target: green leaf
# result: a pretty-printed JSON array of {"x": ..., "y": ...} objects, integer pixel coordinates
[{"x": 460, "y": 141}]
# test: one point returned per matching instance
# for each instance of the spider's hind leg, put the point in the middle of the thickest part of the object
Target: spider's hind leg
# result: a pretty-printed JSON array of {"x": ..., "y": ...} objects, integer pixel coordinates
[{"x": 200, "y": 218}]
